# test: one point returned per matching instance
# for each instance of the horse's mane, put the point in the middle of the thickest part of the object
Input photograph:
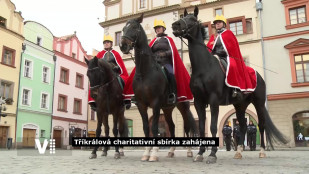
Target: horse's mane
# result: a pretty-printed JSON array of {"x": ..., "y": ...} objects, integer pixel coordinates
[{"x": 202, "y": 30}]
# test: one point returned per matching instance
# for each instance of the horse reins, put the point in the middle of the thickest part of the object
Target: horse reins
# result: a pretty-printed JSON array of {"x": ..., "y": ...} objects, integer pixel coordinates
[{"x": 101, "y": 85}]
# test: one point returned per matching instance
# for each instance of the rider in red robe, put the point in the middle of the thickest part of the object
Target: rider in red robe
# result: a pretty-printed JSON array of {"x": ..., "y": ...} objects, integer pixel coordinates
[
  {"x": 112, "y": 56},
  {"x": 225, "y": 45},
  {"x": 167, "y": 55}
]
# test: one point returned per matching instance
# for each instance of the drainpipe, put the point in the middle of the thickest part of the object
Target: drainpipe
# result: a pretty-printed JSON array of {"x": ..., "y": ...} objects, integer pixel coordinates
[
  {"x": 259, "y": 8},
  {"x": 51, "y": 118},
  {"x": 21, "y": 61}
]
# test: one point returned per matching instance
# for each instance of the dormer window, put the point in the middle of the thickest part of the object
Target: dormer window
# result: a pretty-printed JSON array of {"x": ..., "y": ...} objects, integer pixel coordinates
[
  {"x": 39, "y": 41},
  {"x": 2, "y": 21}
]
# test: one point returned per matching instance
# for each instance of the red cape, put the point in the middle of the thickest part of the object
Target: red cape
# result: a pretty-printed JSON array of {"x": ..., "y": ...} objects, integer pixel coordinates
[
  {"x": 238, "y": 75},
  {"x": 124, "y": 74},
  {"x": 181, "y": 75}
]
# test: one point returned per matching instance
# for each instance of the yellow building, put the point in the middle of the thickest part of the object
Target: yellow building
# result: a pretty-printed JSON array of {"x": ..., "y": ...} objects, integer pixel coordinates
[{"x": 11, "y": 34}]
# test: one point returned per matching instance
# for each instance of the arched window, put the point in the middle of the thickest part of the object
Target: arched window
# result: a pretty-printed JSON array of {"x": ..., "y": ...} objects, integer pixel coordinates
[{"x": 301, "y": 128}]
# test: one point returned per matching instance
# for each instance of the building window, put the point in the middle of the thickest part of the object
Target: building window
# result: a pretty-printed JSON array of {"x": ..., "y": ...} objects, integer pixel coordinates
[
  {"x": 117, "y": 38},
  {"x": 142, "y": 4},
  {"x": 6, "y": 90},
  {"x": 238, "y": 25},
  {"x": 27, "y": 68},
  {"x": 45, "y": 75},
  {"x": 218, "y": 11},
  {"x": 26, "y": 97},
  {"x": 39, "y": 41},
  {"x": 249, "y": 25},
  {"x": 2, "y": 21},
  {"x": 299, "y": 61},
  {"x": 62, "y": 103},
  {"x": 92, "y": 116},
  {"x": 77, "y": 106},
  {"x": 42, "y": 134},
  {"x": 207, "y": 29},
  {"x": 64, "y": 75},
  {"x": 73, "y": 55},
  {"x": 79, "y": 81},
  {"x": 8, "y": 56},
  {"x": 236, "y": 28},
  {"x": 297, "y": 15},
  {"x": 302, "y": 67},
  {"x": 44, "y": 100}
]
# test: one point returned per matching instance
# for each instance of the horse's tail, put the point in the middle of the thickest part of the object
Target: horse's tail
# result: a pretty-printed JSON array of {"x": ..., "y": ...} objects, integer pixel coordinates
[{"x": 273, "y": 135}]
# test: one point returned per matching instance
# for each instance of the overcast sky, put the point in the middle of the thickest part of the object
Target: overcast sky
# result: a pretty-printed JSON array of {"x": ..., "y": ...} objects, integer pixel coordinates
[{"x": 63, "y": 17}]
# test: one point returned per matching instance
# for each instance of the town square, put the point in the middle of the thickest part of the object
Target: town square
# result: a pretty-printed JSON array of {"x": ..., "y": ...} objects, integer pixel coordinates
[{"x": 177, "y": 86}]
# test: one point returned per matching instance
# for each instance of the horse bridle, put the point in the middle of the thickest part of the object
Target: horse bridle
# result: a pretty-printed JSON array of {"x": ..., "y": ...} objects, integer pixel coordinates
[
  {"x": 133, "y": 43},
  {"x": 187, "y": 30},
  {"x": 100, "y": 85}
]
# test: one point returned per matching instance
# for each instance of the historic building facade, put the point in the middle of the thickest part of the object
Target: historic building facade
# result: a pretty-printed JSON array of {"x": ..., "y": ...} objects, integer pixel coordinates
[
  {"x": 11, "y": 34},
  {"x": 286, "y": 43},
  {"x": 36, "y": 85},
  {"x": 70, "y": 107}
]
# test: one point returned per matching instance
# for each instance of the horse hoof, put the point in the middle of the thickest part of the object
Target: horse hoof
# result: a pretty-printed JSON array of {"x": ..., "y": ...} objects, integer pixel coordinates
[
  {"x": 211, "y": 160},
  {"x": 190, "y": 154},
  {"x": 153, "y": 159},
  {"x": 145, "y": 158},
  {"x": 121, "y": 153},
  {"x": 104, "y": 154},
  {"x": 262, "y": 155},
  {"x": 198, "y": 158},
  {"x": 170, "y": 154},
  {"x": 93, "y": 156},
  {"x": 238, "y": 155},
  {"x": 117, "y": 156}
]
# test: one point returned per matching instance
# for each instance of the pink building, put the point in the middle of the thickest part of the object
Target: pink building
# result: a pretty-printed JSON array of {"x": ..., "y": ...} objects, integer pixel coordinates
[{"x": 70, "y": 91}]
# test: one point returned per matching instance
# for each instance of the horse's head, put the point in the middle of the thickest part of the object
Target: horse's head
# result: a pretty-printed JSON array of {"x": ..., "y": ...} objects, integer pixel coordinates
[
  {"x": 131, "y": 32},
  {"x": 96, "y": 74},
  {"x": 188, "y": 26}
]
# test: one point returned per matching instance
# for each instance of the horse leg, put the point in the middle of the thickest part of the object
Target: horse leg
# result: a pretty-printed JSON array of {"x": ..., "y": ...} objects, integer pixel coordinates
[
  {"x": 171, "y": 127},
  {"x": 201, "y": 112},
  {"x": 98, "y": 133},
  {"x": 214, "y": 109},
  {"x": 261, "y": 111},
  {"x": 123, "y": 129},
  {"x": 240, "y": 114},
  {"x": 106, "y": 129},
  {"x": 155, "y": 123},
  {"x": 143, "y": 111},
  {"x": 115, "y": 132},
  {"x": 189, "y": 122}
]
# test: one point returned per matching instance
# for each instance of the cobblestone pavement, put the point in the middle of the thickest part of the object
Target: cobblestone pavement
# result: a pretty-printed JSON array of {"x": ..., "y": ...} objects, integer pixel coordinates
[{"x": 286, "y": 161}]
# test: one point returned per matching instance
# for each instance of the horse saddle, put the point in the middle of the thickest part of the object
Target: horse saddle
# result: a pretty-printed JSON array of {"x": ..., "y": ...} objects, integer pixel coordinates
[
  {"x": 222, "y": 63},
  {"x": 121, "y": 82}
]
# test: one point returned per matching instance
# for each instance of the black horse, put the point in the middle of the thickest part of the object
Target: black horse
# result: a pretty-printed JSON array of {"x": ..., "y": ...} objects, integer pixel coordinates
[
  {"x": 107, "y": 92},
  {"x": 151, "y": 87},
  {"x": 208, "y": 87}
]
